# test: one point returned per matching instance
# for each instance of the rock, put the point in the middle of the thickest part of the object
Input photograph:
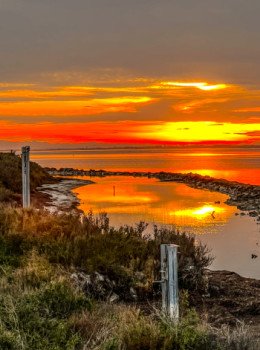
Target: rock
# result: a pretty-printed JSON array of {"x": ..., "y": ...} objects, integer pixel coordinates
[
  {"x": 114, "y": 298},
  {"x": 94, "y": 286},
  {"x": 133, "y": 293},
  {"x": 253, "y": 213},
  {"x": 80, "y": 279},
  {"x": 101, "y": 287}
]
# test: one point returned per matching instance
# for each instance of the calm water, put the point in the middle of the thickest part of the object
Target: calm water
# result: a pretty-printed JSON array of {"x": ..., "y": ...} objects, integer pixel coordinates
[
  {"x": 128, "y": 200},
  {"x": 239, "y": 164}
]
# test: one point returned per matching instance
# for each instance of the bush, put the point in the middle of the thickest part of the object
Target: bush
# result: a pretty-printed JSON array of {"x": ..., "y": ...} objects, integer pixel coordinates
[
  {"x": 11, "y": 174},
  {"x": 122, "y": 253},
  {"x": 40, "y": 319}
]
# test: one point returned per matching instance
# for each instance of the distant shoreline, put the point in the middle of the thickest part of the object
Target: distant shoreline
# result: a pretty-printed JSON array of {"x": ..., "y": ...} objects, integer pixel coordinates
[{"x": 157, "y": 147}]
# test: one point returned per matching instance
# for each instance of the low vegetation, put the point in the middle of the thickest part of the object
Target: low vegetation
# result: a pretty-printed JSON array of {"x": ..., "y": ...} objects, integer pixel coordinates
[
  {"x": 42, "y": 309},
  {"x": 89, "y": 243},
  {"x": 11, "y": 176}
]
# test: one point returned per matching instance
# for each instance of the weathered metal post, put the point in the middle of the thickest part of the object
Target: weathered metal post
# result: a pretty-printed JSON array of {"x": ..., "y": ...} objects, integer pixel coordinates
[
  {"x": 169, "y": 280},
  {"x": 26, "y": 176}
]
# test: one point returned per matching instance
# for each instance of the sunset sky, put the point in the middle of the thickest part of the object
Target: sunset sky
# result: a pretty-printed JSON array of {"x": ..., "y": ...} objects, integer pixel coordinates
[{"x": 77, "y": 73}]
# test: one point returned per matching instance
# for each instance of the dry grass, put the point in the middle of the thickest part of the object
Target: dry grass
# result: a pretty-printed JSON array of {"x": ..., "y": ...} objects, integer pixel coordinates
[{"x": 239, "y": 337}]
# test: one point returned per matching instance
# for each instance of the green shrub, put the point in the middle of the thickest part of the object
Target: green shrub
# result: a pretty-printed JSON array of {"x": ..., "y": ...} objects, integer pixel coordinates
[
  {"x": 11, "y": 250},
  {"x": 40, "y": 319},
  {"x": 11, "y": 174}
]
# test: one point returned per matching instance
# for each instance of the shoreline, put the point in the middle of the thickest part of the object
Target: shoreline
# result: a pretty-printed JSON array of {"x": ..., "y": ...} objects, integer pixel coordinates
[
  {"x": 58, "y": 197},
  {"x": 245, "y": 197}
]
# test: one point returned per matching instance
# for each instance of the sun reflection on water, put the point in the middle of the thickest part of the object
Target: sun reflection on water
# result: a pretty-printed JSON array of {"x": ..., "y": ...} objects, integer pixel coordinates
[{"x": 128, "y": 200}]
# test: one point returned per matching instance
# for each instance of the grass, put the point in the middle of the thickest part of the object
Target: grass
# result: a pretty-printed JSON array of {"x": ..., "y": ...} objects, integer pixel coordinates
[
  {"x": 36, "y": 304},
  {"x": 119, "y": 327},
  {"x": 11, "y": 176}
]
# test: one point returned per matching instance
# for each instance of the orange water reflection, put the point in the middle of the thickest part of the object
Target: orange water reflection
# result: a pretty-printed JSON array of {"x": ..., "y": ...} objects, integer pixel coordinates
[
  {"x": 128, "y": 200},
  {"x": 155, "y": 202}
]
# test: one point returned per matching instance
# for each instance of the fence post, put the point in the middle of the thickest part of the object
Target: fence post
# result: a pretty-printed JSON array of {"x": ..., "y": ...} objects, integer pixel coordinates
[
  {"x": 169, "y": 280},
  {"x": 26, "y": 176}
]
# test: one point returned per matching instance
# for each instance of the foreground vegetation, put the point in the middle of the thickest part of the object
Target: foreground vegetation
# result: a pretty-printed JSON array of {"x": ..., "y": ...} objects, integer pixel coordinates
[
  {"x": 11, "y": 176},
  {"x": 40, "y": 307}
]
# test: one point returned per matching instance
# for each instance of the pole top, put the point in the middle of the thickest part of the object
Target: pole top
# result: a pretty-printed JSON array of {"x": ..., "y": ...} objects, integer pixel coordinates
[
  {"x": 171, "y": 245},
  {"x": 25, "y": 149}
]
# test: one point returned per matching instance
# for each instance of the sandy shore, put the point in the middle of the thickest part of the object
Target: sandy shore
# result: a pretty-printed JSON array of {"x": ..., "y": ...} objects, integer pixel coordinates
[{"x": 58, "y": 197}]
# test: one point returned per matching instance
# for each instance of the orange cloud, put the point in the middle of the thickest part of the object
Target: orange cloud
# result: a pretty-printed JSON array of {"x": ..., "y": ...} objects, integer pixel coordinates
[
  {"x": 34, "y": 94},
  {"x": 74, "y": 107},
  {"x": 248, "y": 109}
]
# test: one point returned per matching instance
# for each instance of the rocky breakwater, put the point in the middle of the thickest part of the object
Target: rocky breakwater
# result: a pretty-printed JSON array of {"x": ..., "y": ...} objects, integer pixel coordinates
[{"x": 245, "y": 197}]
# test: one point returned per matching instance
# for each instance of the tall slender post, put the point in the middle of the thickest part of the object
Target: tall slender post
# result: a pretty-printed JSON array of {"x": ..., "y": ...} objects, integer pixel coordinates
[
  {"x": 169, "y": 280},
  {"x": 26, "y": 176}
]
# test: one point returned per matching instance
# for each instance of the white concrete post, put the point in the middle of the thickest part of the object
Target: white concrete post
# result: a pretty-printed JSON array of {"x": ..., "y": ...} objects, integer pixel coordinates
[
  {"x": 26, "y": 176},
  {"x": 169, "y": 280}
]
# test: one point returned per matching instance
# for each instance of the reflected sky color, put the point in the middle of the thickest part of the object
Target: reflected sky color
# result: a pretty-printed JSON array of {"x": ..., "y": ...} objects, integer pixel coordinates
[
  {"x": 149, "y": 199},
  {"x": 236, "y": 165}
]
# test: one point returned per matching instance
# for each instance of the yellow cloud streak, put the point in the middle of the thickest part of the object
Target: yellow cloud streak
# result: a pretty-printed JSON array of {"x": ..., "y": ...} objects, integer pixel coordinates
[
  {"x": 201, "y": 86},
  {"x": 188, "y": 107},
  {"x": 197, "y": 132},
  {"x": 212, "y": 87}
]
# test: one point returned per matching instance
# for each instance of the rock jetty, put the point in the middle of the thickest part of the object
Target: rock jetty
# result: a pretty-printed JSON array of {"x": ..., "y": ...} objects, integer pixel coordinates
[{"x": 245, "y": 197}]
